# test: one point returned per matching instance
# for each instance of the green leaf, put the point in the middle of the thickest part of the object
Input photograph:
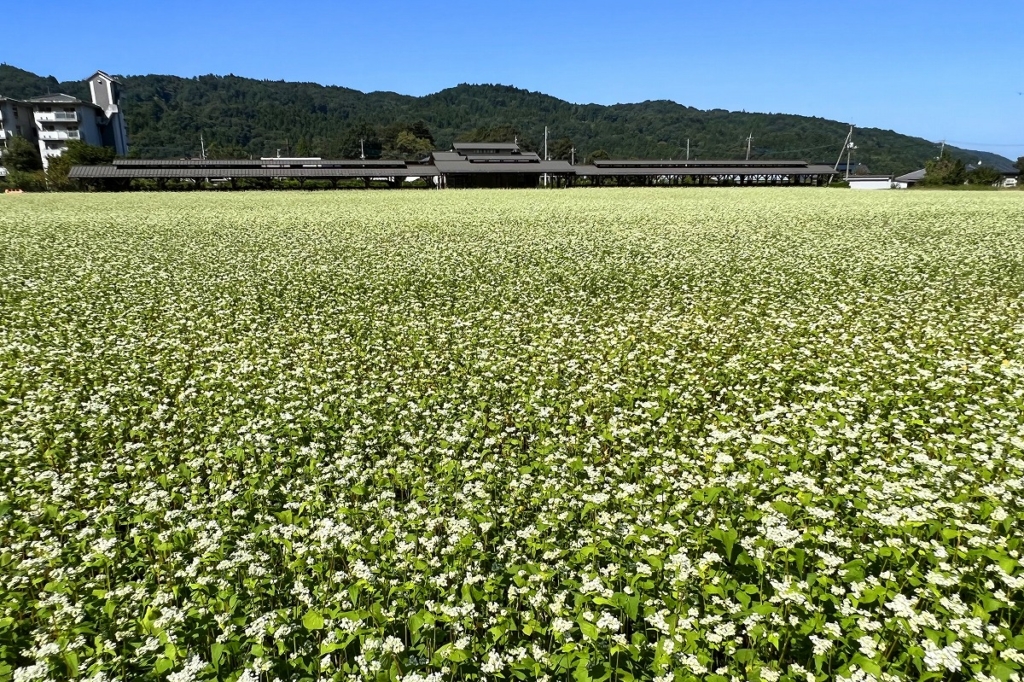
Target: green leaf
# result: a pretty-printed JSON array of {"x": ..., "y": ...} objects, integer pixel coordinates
[
  {"x": 633, "y": 607},
  {"x": 727, "y": 536},
  {"x": 1002, "y": 672},
  {"x": 588, "y": 629},
  {"x": 867, "y": 665},
  {"x": 313, "y": 620},
  {"x": 71, "y": 659}
]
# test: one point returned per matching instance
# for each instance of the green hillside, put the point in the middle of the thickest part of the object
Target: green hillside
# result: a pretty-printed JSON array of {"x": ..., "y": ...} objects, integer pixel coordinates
[{"x": 243, "y": 116}]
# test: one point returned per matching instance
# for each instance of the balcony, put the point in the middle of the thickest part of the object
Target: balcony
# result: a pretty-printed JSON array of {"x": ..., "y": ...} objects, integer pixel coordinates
[
  {"x": 61, "y": 116},
  {"x": 59, "y": 135}
]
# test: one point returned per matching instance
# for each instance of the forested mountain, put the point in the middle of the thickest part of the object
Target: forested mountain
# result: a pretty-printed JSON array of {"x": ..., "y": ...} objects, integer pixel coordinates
[{"x": 242, "y": 117}]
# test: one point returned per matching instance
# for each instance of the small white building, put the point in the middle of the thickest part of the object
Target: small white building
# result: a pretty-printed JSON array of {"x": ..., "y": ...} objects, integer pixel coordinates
[
  {"x": 909, "y": 179},
  {"x": 870, "y": 181}
]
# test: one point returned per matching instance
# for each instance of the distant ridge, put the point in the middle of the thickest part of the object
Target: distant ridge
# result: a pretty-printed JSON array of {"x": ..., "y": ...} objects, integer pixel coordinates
[{"x": 244, "y": 116}]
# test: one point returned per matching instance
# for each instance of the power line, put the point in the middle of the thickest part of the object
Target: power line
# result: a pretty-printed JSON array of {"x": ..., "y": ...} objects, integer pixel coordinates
[{"x": 988, "y": 144}]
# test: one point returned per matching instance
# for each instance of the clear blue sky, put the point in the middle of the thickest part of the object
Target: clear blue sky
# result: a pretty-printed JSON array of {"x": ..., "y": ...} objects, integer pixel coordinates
[{"x": 939, "y": 69}]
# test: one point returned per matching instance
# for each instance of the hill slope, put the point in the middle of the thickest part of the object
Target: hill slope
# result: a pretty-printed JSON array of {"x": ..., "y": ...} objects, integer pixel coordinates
[{"x": 236, "y": 116}]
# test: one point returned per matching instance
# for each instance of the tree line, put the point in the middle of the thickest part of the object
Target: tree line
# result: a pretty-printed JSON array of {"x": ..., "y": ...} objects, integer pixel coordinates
[
  {"x": 948, "y": 170},
  {"x": 167, "y": 116}
]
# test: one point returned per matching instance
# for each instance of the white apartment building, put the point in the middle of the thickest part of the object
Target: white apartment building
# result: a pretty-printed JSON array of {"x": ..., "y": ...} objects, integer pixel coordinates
[
  {"x": 54, "y": 120},
  {"x": 15, "y": 121}
]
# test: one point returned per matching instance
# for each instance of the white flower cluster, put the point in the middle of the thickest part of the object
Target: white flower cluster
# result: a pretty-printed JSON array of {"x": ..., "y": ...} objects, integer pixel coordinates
[{"x": 752, "y": 434}]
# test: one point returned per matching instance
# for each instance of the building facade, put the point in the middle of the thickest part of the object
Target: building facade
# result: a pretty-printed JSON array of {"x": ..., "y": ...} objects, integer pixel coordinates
[
  {"x": 16, "y": 121},
  {"x": 52, "y": 121}
]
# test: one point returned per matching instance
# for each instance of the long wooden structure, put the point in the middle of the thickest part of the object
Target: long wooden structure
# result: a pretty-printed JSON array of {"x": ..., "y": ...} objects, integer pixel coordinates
[{"x": 467, "y": 165}]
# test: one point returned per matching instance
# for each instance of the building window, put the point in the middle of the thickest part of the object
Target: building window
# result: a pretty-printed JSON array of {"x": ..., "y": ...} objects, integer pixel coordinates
[{"x": 54, "y": 144}]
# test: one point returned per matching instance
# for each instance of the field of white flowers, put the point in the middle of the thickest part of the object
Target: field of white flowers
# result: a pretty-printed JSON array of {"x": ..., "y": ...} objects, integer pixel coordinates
[{"x": 579, "y": 435}]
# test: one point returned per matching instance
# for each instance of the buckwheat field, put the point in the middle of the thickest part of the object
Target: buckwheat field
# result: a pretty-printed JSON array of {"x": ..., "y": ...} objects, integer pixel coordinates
[{"x": 733, "y": 434}]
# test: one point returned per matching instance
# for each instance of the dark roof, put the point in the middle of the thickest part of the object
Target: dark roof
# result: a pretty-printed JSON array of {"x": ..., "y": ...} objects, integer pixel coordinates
[
  {"x": 259, "y": 163},
  {"x": 505, "y": 146},
  {"x": 913, "y": 176},
  {"x": 105, "y": 75},
  {"x": 707, "y": 170},
  {"x": 102, "y": 172},
  {"x": 463, "y": 166},
  {"x": 679, "y": 163},
  {"x": 58, "y": 98},
  {"x": 502, "y": 158}
]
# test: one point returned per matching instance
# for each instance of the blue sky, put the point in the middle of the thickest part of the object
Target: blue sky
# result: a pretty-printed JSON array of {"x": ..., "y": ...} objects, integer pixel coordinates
[{"x": 938, "y": 69}]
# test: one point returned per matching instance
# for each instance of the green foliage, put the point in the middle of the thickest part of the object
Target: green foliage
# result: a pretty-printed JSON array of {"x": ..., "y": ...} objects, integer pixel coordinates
[
  {"x": 984, "y": 175},
  {"x": 560, "y": 149},
  {"x": 21, "y": 155},
  {"x": 407, "y": 145},
  {"x": 83, "y": 154},
  {"x": 1019, "y": 165},
  {"x": 945, "y": 170},
  {"x": 28, "y": 181},
  {"x": 57, "y": 171},
  {"x": 77, "y": 153},
  {"x": 497, "y": 133},
  {"x": 166, "y": 114},
  {"x": 220, "y": 150},
  {"x": 625, "y": 435}
]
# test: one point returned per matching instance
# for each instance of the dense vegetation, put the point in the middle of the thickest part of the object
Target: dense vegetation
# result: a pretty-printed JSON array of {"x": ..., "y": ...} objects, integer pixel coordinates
[
  {"x": 620, "y": 435},
  {"x": 241, "y": 116}
]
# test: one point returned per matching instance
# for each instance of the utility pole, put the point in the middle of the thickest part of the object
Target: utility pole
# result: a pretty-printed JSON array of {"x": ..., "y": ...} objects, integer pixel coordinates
[
  {"x": 572, "y": 156},
  {"x": 943, "y": 149},
  {"x": 202, "y": 147},
  {"x": 848, "y": 140},
  {"x": 687, "y": 149},
  {"x": 750, "y": 139},
  {"x": 362, "y": 152},
  {"x": 545, "y": 153},
  {"x": 849, "y": 148}
]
